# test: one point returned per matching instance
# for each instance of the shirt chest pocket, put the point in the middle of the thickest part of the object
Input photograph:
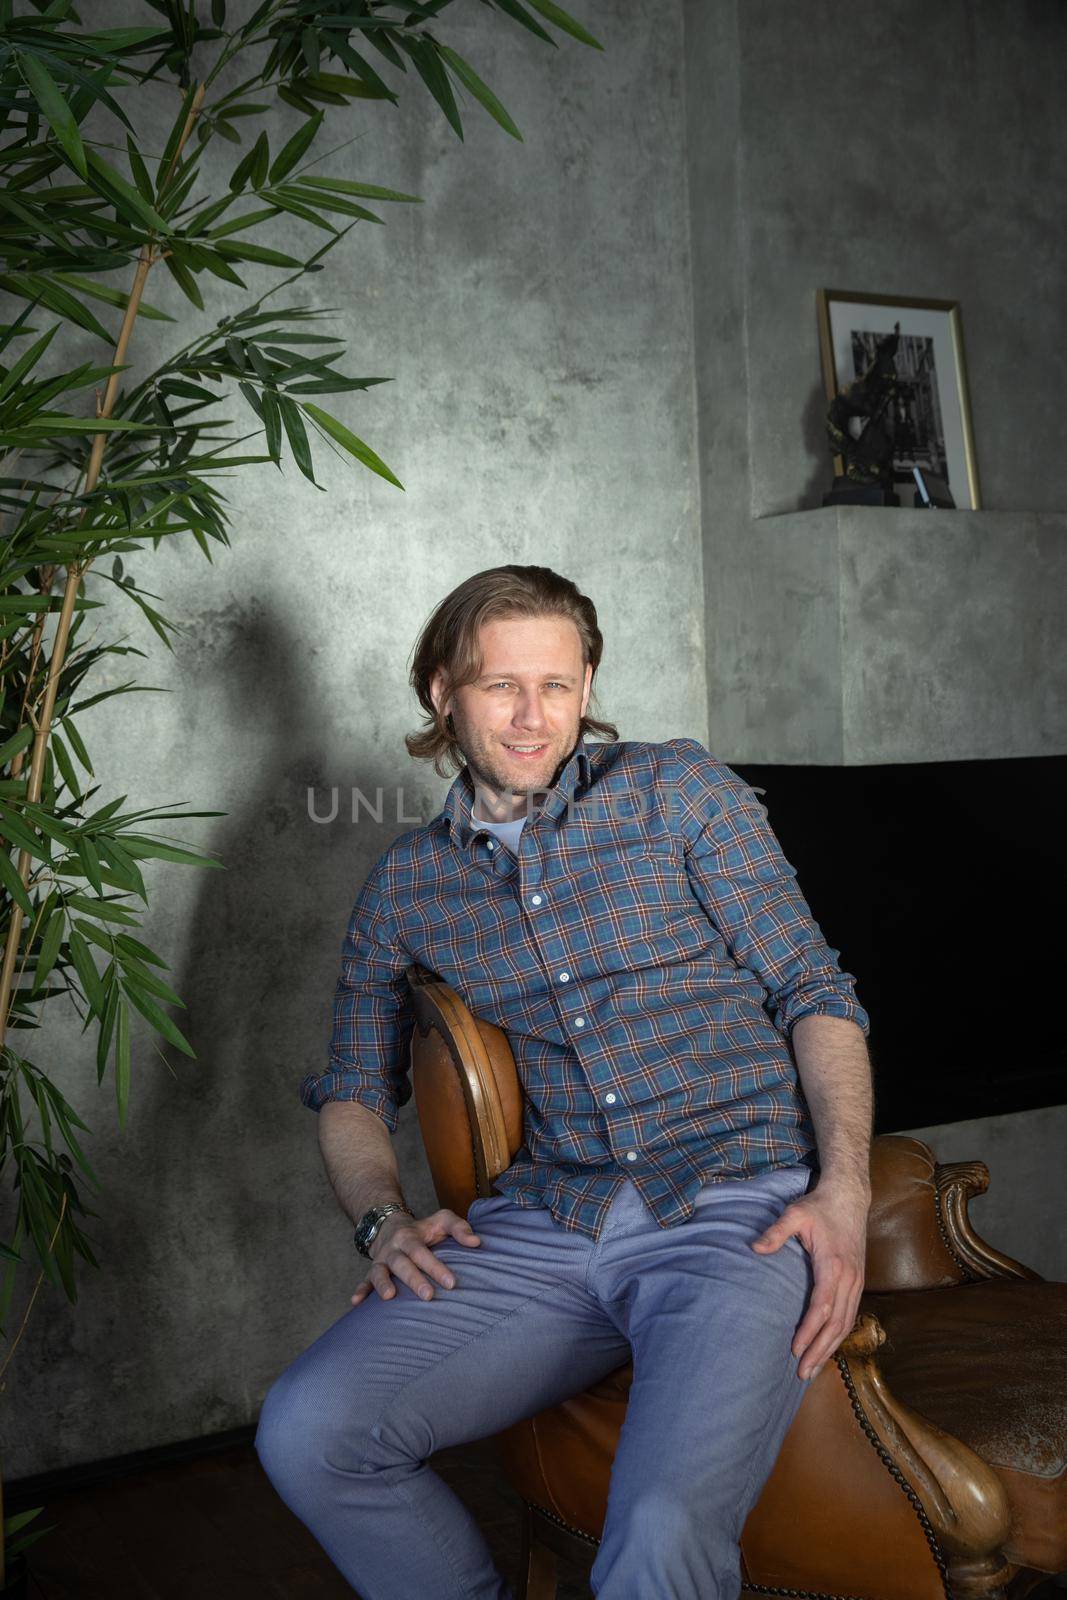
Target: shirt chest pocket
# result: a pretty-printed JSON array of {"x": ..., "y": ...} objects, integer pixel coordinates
[{"x": 616, "y": 880}]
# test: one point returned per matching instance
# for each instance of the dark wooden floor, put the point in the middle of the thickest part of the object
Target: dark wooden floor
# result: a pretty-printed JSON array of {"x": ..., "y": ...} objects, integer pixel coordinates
[{"x": 213, "y": 1529}]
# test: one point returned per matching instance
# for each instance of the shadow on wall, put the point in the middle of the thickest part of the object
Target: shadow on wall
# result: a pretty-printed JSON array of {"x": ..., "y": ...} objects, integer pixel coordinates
[
  {"x": 813, "y": 422},
  {"x": 241, "y": 1210}
]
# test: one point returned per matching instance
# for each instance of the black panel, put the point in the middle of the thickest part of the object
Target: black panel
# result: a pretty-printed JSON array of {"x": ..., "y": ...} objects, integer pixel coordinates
[{"x": 943, "y": 886}]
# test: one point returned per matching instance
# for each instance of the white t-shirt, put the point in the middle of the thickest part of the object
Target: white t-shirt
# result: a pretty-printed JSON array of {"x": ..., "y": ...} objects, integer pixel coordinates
[{"x": 507, "y": 832}]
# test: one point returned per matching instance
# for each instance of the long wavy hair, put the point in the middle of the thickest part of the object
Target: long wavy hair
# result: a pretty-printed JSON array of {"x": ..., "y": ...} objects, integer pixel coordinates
[{"x": 449, "y": 643}]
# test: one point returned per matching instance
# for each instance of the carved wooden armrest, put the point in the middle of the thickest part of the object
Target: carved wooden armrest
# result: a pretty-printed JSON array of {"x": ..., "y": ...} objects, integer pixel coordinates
[
  {"x": 957, "y": 1492},
  {"x": 957, "y": 1182}
]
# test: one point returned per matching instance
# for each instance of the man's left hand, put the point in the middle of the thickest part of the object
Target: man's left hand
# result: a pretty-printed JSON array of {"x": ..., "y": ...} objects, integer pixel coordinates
[{"x": 831, "y": 1224}]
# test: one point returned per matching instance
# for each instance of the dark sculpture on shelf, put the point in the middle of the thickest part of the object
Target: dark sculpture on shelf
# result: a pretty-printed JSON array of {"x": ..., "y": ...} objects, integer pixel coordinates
[{"x": 859, "y": 423}]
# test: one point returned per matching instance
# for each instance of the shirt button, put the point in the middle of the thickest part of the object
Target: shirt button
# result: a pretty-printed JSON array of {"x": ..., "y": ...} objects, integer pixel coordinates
[
  {"x": 579, "y": 1022},
  {"x": 631, "y": 1155},
  {"x": 490, "y": 845},
  {"x": 564, "y": 977},
  {"x": 535, "y": 899},
  {"x": 609, "y": 1099}
]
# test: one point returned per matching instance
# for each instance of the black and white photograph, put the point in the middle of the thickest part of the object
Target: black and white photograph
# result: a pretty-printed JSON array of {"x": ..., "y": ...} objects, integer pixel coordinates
[
  {"x": 926, "y": 409},
  {"x": 915, "y": 408}
]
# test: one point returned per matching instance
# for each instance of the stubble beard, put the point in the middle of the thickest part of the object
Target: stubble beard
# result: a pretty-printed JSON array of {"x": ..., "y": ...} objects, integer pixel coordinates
[{"x": 489, "y": 774}]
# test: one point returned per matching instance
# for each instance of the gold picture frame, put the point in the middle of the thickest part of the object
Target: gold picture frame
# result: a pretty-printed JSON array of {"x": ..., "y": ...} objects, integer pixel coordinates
[{"x": 942, "y": 438}]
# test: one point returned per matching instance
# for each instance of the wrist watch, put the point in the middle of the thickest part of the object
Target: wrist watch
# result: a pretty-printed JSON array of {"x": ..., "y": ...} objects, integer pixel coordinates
[{"x": 369, "y": 1223}]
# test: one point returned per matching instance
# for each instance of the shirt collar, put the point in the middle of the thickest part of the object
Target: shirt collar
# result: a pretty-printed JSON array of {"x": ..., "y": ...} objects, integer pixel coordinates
[{"x": 576, "y": 773}]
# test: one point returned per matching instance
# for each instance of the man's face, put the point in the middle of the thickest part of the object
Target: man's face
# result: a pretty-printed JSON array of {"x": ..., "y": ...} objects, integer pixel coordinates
[{"x": 532, "y": 692}]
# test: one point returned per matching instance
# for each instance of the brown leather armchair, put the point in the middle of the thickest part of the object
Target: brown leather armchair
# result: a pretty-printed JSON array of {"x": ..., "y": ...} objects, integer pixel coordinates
[{"x": 927, "y": 1459}]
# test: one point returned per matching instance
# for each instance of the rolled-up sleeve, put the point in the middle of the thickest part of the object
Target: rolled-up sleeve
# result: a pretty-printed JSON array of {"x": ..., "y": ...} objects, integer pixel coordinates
[
  {"x": 749, "y": 891},
  {"x": 372, "y": 1015}
]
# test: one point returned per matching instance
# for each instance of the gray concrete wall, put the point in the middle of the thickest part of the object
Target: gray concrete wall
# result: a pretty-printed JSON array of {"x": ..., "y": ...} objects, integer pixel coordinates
[
  {"x": 900, "y": 149},
  {"x": 535, "y": 316},
  {"x": 895, "y": 149},
  {"x": 899, "y": 636}
]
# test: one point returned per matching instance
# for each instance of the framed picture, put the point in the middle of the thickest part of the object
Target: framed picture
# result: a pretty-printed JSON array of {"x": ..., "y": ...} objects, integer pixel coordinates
[{"x": 932, "y": 411}]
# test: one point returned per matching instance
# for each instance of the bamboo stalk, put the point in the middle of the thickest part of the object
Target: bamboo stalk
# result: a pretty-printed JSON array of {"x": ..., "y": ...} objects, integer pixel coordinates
[{"x": 43, "y": 722}]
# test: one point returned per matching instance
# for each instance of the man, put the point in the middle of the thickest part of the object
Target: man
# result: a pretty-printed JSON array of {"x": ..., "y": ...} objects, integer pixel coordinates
[{"x": 684, "y": 1037}]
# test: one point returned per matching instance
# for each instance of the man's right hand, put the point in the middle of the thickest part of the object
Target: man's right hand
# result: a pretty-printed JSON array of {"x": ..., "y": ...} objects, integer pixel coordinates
[{"x": 401, "y": 1250}]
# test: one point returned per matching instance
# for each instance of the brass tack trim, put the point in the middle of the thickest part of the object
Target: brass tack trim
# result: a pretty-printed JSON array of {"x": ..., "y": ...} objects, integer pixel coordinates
[
  {"x": 550, "y": 1516},
  {"x": 896, "y": 1474},
  {"x": 970, "y": 1276}
]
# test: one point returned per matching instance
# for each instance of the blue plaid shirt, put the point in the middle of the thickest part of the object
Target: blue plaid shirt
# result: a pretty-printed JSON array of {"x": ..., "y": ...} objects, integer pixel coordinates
[{"x": 647, "y": 953}]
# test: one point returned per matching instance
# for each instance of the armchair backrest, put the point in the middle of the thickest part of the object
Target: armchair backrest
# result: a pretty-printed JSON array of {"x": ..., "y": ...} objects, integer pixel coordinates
[
  {"x": 907, "y": 1242},
  {"x": 467, "y": 1093}
]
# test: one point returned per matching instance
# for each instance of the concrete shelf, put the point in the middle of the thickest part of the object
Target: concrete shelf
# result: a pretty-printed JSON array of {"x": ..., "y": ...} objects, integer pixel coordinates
[{"x": 893, "y": 635}]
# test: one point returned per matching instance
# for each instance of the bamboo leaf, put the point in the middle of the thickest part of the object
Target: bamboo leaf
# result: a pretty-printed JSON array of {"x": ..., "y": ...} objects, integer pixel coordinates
[
  {"x": 565, "y": 22},
  {"x": 296, "y": 433},
  {"x": 184, "y": 279},
  {"x": 249, "y": 219},
  {"x": 272, "y": 423},
  {"x": 76, "y": 741},
  {"x": 111, "y": 297},
  {"x": 512, "y": 8},
  {"x": 261, "y": 161},
  {"x": 122, "y": 1061},
  {"x": 310, "y": 49},
  {"x": 153, "y": 1014},
  {"x": 56, "y": 111},
  {"x": 141, "y": 847},
  {"x": 18, "y": 741},
  {"x": 345, "y": 437},
  {"x": 14, "y": 1255},
  {"x": 124, "y": 873},
  {"x": 27, "y": 360},
  {"x": 102, "y": 910},
  {"x": 134, "y": 947},
  {"x": 51, "y": 939},
  {"x": 140, "y": 171},
  {"x": 291, "y": 152},
  {"x": 65, "y": 765},
  {"x": 481, "y": 91},
  {"x": 292, "y": 98},
  {"x": 85, "y": 967},
  {"x": 124, "y": 196},
  {"x": 30, "y": 286},
  {"x": 428, "y": 66},
  {"x": 10, "y": 880},
  {"x": 13, "y": 828},
  {"x": 90, "y": 862},
  {"x": 255, "y": 252},
  {"x": 362, "y": 68},
  {"x": 200, "y": 258},
  {"x": 242, "y": 172},
  {"x": 367, "y": 191},
  {"x": 170, "y": 150},
  {"x": 150, "y": 983},
  {"x": 284, "y": 200},
  {"x": 107, "y": 1027},
  {"x": 48, "y": 824}
]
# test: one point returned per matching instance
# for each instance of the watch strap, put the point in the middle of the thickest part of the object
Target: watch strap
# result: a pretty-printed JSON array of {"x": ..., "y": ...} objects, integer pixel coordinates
[{"x": 370, "y": 1222}]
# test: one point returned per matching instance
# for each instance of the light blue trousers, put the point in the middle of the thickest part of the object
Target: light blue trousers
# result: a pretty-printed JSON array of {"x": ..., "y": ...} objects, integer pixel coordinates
[{"x": 538, "y": 1313}]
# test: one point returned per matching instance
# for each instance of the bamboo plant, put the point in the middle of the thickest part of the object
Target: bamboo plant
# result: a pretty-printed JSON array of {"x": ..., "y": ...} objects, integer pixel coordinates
[{"x": 103, "y": 460}]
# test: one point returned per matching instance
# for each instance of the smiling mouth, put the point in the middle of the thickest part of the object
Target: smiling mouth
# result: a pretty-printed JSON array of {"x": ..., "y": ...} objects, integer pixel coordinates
[{"x": 525, "y": 750}]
